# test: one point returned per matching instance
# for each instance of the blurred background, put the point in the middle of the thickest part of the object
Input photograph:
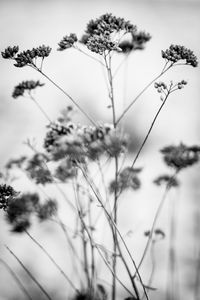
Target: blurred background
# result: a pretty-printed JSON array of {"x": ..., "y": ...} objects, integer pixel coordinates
[{"x": 28, "y": 24}]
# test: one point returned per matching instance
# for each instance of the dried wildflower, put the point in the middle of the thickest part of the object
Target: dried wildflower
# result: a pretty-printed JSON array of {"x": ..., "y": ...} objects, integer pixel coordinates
[
  {"x": 107, "y": 24},
  {"x": 47, "y": 210},
  {"x": 24, "y": 86},
  {"x": 66, "y": 170},
  {"x": 180, "y": 157},
  {"x": 38, "y": 170},
  {"x": 19, "y": 211},
  {"x": 28, "y": 57},
  {"x": 137, "y": 42},
  {"x": 98, "y": 36},
  {"x": 128, "y": 178},
  {"x": 7, "y": 194},
  {"x": 177, "y": 53},
  {"x": 166, "y": 180},
  {"x": 10, "y": 52},
  {"x": 100, "y": 44},
  {"x": 67, "y": 41}
]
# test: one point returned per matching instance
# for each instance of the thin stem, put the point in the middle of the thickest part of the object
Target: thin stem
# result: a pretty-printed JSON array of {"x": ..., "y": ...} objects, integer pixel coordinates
[
  {"x": 18, "y": 281},
  {"x": 29, "y": 274},
  {"x": 52, "y": 260},
  {"x": 66, "y": 94},
  {"x": 138, "y": 96},
  {"x": 90, "y": 56},
  {"x": 149, "y": 131},
  {"x": 155, "y": 220},
  {"x": 40, "y": 108}
]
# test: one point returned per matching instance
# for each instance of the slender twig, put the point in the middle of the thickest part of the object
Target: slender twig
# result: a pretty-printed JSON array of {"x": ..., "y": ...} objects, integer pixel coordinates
[
  {"x": 67, "y": 95},
  {"x": 40, "y": 108},
  {"x": 17, "y": 280},
  {"x": 53, "y": 261},
  {"x": 29, "y": 274},
  {"x": 140, "y": 94}
]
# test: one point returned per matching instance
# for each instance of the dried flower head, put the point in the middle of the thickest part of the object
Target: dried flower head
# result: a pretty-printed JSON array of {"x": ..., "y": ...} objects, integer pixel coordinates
[
  {"x": 127, "y": 179},
  {"x": 177, "y": 53},
  {"x": 7, "y": 194},
  {"x": 67, "y": 42},
  {"x": 166, "y": 180},
  {"x": 66, "y": 170},
  {"x": 19, "y": 211},
  {"x": 180, "y": 157},
  {"x": 28, "y": 57},
  {"x": 10, "y": 52},
  {"x": 24, "y": 86}
]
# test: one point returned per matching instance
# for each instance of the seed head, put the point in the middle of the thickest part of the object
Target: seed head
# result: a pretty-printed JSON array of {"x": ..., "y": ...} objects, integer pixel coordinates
[
  {"x": 177, "y": 53},
  {"x": 67, "y": 41},
  {"x": 27, "y": 85},
  {"x": 10, "y": 52}
]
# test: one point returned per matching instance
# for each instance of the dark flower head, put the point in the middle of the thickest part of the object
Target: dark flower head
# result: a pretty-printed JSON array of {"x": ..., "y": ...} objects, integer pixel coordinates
[
  {"x": 67, "y": 41},
  {"x": 10, "y": 52},
  {"x": 7, "y": 194},
  {"x": 177, "y": 53},
  {"x": 166, "y": 180},
  {"x": 180, "y": 157},
  {"x": 19, "y": 211},
  {"x": 27, "y": 85}
]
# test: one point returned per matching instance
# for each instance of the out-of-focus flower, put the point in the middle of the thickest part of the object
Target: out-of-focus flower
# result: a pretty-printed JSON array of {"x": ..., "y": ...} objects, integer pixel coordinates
[
  {"x": 24, "y": 86},
  {"x": 127, "y": 179},
  {"x": 166, "y": 180},
  {"x": 181, "y": 156},
  {"x": 47, "y": 210},
  {"x": 19, "y": 211},
  {"x": 37, "y": 169},
  {"x": 66, "y": 170},
  {"x": 137, "y": 42}
]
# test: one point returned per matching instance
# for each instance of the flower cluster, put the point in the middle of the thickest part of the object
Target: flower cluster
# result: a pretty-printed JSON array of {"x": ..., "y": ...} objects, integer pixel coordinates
[
  {"x": 81, "y": 142},
  {"x": 128, "y": 178},
  {"x": 65, "y": 170},
  {"x": 137, "y": 42},
  {"x": 98, "y": 36},
  {"x": 160, "y": 86},
  {"x": 165, "y": 90},
  {"x": 7, "y": 194},
  {"x": 47, "y": 210},
  {"x": 28, "y": 57},
  {"x": 177, "y": 53},
  {"x": 181, "y": 156},
  {"x": 67, "y": 42},
  {"x": 37, "y": 169},
  {"x": 10, "y": 52},
  {"x": 27, "y": 85},
  {"x": 19, "y": 211},
  {"x": 166, "y": 180}
]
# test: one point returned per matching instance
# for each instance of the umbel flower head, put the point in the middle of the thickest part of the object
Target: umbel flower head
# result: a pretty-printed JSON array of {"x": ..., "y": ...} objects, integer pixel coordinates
[
  {"x": 99, "y": 33},
  {"x": 24, "y": 86},
  {"x": 181, "y": 156},
  {"x": 26, "y": 58},
  {"x": 177, "y": 53},
  {"x": 7, "y": 194}
]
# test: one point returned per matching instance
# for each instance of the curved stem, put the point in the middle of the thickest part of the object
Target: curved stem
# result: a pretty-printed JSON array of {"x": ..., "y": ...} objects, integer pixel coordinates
[{"x": 40, "y": 108}]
